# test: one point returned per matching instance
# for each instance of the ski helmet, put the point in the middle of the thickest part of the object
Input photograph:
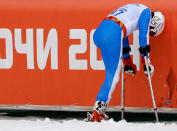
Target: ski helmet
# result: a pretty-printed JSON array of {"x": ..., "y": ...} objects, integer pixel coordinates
[{"x": 157, "y": 23}]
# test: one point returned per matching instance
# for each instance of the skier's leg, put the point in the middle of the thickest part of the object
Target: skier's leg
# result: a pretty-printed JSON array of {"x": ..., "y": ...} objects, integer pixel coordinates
[
  {"x": 108, "y": 37},
  {"x": 111, "y": 54}
]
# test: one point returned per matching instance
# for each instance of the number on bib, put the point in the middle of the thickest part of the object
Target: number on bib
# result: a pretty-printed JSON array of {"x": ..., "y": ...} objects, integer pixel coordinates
[{"x": 119, "y": 11}]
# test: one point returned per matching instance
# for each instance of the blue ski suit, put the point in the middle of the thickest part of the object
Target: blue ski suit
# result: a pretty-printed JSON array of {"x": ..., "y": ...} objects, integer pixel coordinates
[{"x": 112, "y": 36}]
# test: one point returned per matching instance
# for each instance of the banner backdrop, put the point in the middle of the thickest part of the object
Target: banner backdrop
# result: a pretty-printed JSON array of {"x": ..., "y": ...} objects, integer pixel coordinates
[{"x": 47, "y": 54}]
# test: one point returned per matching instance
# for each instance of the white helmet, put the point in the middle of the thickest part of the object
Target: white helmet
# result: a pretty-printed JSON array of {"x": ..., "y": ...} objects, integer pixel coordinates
[{"x": 157, "y": 23}]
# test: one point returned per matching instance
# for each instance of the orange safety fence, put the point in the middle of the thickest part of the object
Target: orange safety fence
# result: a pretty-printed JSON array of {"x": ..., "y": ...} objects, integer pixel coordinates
[{"x": 47, "y": 54}]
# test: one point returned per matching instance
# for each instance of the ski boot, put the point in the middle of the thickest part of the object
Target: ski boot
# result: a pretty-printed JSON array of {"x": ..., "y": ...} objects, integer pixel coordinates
[{"x": 98, "y": 112}]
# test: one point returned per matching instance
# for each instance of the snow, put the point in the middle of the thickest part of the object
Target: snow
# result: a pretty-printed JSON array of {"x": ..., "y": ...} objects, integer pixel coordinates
[{"x": 47, "y": 124}]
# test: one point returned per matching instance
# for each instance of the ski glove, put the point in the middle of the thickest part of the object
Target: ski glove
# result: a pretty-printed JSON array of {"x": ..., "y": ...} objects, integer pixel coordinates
[
  {"x": 144, "y": 51},
  {"x": 151, "y": 67},
  {"x": 129, "y": 67}
]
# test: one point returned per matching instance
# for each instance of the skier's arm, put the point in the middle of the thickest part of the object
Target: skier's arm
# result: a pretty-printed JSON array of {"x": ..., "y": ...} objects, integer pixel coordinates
[
  {"x": 129, "y": 67},
  {"x": 143, "y": 23},
  {"x": 126, "y": 48}
]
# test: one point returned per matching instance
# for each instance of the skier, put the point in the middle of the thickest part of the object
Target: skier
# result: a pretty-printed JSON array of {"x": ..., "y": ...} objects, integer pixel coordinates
[{"x": 112, "y": 39}]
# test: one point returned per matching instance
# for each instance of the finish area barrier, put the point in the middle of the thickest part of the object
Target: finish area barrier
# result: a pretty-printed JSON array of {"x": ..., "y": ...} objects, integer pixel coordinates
[{"x": 48, "y": 57}]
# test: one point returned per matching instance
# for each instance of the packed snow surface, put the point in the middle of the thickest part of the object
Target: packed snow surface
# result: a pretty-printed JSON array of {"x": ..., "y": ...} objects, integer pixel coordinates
[{"x": 46, "y": 124}]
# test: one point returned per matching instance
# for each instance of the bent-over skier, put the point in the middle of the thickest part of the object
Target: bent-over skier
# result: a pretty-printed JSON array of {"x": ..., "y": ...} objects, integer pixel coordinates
[{"x": 112, "y": 38}]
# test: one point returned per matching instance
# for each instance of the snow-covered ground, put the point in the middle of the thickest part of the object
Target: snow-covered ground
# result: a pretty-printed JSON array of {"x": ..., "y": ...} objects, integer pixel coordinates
[{"x": 46, "y": 124}]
